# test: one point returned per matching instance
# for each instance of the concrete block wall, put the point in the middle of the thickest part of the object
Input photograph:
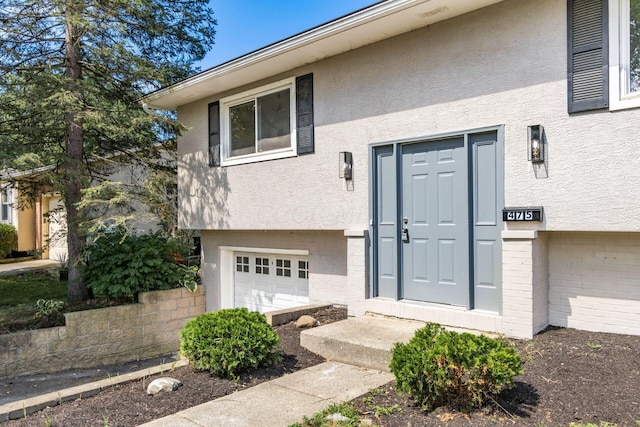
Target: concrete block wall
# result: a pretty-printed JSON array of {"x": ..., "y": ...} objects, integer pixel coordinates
[
  {"x": 594, "y": 281},
  {"x": 107, "y": 335}
]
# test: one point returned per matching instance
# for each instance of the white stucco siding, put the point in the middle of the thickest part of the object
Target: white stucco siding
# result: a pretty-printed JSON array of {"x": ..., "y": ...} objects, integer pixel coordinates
[
  {"x": 502, "y": 65},
  {"x": 594, "y": 281}
]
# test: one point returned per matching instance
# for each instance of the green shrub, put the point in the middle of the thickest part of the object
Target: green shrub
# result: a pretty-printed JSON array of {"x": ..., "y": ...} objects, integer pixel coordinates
[
  {"x": 120, "y": 265},
  {"x": 229, "y": 341},
  {"x": 48, "y": 307},
  {"x": 439, "y": 367},
  {"x": 190, "y": 277},
  {"x": 323, "y": 418},
  {"x": 8, "y": 239}
]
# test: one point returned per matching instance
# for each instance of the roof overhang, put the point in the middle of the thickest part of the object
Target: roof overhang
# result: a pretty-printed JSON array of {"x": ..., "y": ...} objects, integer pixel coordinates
[
  {"x": 14, "y": 174},
  {"x": 369, "y": 25}
]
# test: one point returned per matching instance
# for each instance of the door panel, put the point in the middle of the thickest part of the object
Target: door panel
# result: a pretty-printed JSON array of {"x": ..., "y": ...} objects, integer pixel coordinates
[
  {"x": 486, "y": 158},
  {"x": 447, "y": 194},
  {"x": 386, "y": 265},
  {"x": 266, "y": 282},
  {"x": 435, "y": 207}
]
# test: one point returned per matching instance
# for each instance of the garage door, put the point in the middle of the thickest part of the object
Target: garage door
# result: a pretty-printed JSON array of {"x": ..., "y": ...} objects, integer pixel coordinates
[{"x": 267, "y": 282}]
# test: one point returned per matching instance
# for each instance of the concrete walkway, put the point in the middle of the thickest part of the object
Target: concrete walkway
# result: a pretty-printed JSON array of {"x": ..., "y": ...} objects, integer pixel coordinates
[
  {"x": 359, "y": 350},
  {"x": 359, "y": 353},
  {"x": 23, "y": 267},
  {"x": 282, "y": 401}
]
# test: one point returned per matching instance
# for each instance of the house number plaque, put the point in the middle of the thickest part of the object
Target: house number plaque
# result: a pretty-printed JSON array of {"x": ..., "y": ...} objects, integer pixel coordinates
[{"x": 522, "y": 214}]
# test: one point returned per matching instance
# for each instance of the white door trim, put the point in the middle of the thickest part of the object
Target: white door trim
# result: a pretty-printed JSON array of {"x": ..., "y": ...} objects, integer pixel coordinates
[{"x": 299, "y": 252}]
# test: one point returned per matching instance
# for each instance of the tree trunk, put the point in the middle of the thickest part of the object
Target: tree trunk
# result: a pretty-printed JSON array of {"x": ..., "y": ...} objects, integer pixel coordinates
[{"x": 73, "y": 166}]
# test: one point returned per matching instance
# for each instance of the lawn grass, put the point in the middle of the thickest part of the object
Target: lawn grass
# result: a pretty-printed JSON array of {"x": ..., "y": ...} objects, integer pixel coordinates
[{"x": 20, "y": 293}]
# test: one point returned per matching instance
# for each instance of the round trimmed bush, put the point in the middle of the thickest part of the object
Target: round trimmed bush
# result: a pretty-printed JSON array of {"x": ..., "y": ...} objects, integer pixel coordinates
[
  {"x": 8, "y": 240},
  {"x": 229, "y": 341},
  {"x": 439, "y": 367}
]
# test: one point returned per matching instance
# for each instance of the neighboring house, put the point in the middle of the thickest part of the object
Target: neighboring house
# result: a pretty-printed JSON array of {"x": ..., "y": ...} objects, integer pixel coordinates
[
  {"x": 34, "y": 221},
  {"x": 376, "y": 161},
  {"x": 40, "y": 220}
]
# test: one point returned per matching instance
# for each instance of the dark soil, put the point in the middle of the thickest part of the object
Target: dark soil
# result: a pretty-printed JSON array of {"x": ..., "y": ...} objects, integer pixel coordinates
[
  {"x": 129, "y": 405},
  {"x": 57, "y": 317},
  {"x": 569, "y": 376}
]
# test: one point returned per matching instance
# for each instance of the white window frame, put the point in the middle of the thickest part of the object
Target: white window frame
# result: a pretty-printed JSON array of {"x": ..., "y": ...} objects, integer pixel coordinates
[
  {"x": 225, "y": 141},
  {"x": 619, "y": 95},
  {"x": 8, "y": 191}
]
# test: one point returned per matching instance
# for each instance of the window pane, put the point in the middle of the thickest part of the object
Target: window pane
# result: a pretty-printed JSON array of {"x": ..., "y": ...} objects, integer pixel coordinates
[
  {"x": 242, "y": 129},
  {"x": 634, "y": 43},
  {"x": 274, "y": 121}
]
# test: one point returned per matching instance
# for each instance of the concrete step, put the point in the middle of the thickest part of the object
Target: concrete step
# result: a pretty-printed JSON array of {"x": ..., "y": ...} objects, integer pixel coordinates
[{"x": 364, "y": 341}]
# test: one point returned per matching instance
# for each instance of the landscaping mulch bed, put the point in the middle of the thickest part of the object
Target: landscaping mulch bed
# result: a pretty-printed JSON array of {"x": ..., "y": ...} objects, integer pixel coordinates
[
  {"x": 569, "y": 376},
  {"x": 129, "y": 405}
]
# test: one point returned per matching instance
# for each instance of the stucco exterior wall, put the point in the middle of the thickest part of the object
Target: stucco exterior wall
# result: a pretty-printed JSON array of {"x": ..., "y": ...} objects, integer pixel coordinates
[
  {"x": 594, "y": 281},
  {"x": 504, "y": 64},
  {"x": 26, "y": 227},
  {"x": 327, "y": 261}
]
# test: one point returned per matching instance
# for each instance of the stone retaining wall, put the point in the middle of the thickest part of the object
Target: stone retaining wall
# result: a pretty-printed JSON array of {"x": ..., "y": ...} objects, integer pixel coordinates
[{"x": 103, "y": 336}]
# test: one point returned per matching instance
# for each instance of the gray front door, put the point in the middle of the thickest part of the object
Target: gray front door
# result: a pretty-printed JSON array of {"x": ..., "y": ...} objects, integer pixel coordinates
[{"x": 435, "y": 221}]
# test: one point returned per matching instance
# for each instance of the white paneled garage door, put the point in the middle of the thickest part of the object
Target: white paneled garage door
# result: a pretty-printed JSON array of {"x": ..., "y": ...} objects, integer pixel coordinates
[{"x": 267, "y": 282}]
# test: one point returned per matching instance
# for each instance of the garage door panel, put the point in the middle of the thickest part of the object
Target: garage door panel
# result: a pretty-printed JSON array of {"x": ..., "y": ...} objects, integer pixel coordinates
[{"x": 266, "y": 282}]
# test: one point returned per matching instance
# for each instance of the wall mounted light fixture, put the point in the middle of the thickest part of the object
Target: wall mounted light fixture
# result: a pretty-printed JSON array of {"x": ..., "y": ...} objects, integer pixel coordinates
[
  {"x": 346, "y": 165},
  {"x": 535, "y": 144}
]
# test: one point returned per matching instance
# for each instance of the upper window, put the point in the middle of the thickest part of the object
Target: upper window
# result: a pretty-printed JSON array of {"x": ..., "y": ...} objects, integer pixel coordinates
[
  {"x": 259, "y": 124},
  {"x": 624, "y": 71},
  {"x": 270, "y": 122},
  {"x": 5, "y": 204}
]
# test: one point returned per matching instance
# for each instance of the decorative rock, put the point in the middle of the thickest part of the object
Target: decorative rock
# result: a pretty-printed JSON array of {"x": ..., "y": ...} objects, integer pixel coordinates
[
  {"x": 306, "y": 322},
  {"x": 337, "y": 417},
  {"x": 163, "y": 384}
]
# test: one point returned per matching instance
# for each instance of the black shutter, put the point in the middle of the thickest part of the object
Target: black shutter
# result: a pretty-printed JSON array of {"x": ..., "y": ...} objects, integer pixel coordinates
[
  {"x": 214, "y": 134},
  {"x": 588, "y": 55},
  {"x": 304, "y": 112}
]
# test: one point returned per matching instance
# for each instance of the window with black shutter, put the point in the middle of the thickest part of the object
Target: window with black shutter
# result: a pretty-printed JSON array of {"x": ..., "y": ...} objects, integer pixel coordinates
[
  {"x": 588, "y": 55},
  {"x": 270, "y": 122},
  {"x": 304, "y": 110},
  {"x": 214, "y": 134}
]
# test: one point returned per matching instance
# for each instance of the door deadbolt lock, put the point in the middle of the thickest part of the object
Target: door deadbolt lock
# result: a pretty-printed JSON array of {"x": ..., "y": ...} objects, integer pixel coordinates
[
  {"x": 405, "y": 230},
  {"x": 405, "y": 235}
]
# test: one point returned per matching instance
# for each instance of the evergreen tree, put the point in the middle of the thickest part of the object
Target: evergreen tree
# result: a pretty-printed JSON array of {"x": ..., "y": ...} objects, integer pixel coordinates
[{"x": 71, "y": 76}]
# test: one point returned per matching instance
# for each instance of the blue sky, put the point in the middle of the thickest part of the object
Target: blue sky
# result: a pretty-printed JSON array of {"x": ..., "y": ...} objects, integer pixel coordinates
[{"x": 247, "y": 25}]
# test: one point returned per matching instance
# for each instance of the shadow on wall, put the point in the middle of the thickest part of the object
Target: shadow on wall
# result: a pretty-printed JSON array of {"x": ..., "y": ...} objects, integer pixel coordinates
[{"x": 203, "y": 195}]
